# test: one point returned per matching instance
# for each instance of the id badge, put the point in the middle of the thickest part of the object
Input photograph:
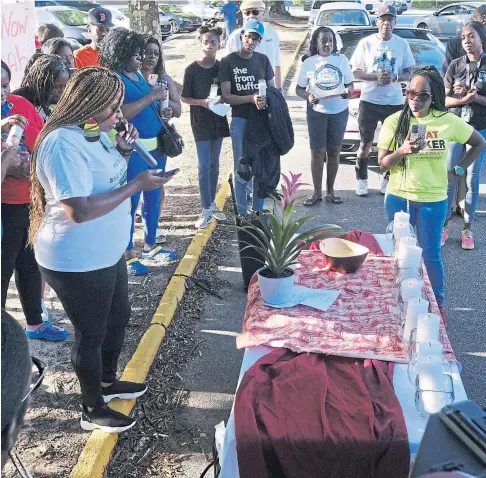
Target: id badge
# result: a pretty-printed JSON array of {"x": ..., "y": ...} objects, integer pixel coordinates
[{"x": 466, "y": 113}]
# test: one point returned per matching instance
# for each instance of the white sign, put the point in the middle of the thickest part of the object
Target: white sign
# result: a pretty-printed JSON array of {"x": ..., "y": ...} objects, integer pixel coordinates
[{"x": 18, "y": 36}]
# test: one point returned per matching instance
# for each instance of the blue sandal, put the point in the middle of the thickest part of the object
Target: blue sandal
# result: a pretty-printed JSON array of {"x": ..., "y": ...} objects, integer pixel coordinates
[{"x": 136, "y": 268}]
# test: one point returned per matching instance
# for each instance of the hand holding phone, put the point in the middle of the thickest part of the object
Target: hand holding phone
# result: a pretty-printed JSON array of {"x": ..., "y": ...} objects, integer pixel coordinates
[{"x": 165, "y": 174}]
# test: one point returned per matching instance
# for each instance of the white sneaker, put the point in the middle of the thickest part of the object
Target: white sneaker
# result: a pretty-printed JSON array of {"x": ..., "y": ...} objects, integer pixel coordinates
[
  {"x": 45, "y": 312},
  {"x": 205, "y": 219},
  {"x": 362, "y": 187},
  {"x": 217, "y": 214},
  {"x": 384, "y": 185}
]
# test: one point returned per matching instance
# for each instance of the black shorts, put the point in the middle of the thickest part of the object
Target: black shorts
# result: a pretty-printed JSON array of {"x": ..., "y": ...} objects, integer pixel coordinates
[{"x": 369, "y": 115}]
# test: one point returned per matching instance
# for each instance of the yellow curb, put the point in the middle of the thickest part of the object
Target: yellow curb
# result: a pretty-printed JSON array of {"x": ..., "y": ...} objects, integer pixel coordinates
[{"x": 97, "y": 452}]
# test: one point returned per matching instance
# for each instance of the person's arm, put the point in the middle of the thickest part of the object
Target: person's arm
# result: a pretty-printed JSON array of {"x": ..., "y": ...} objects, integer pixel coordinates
[
  {"x": 388, "y": 159},
  {"x": 452, "y": 102},
  {"x": 10, "y": 159},
  {"x": 454, "y": 45},
  {"x": 477, "y": 145},
  {"x": 480, "y": 100},
  {"x": 132, "y": 109},
  {"x": 174, "y": 100},
  {"x": 363, "y": 76},
  {"x": 231, "y": 99},
  {"x": 278, "y": 77}
]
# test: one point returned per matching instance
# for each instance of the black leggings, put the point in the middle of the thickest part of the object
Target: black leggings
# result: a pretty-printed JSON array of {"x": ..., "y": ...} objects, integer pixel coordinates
[
  {"x": 97, "y": 305},
  {"x": 16, "y": 255}
]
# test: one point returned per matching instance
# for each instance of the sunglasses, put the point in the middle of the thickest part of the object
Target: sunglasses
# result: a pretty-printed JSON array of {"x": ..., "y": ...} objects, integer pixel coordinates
[
  {"x": 252, "y": 12},
  {"x": 421, "y": 96},
  {"x": 37, "y": 376}
]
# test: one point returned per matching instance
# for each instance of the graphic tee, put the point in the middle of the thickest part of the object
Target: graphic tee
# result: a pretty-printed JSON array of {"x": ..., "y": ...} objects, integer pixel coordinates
[
  {"x": 424, "y": 177},
  {"x": 68, "y": 166},
  {"x": 328, "y": 75},
  {"x": 197, "y": 83},
  {"x": 370, "y": 55},
  {"x": 244, "y": 74}
]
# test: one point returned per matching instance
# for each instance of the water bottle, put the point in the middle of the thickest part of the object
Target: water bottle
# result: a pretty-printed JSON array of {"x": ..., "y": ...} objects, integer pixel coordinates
[
  {"x": 262, "y": 90},
  {"x": 14, "y": 136}
]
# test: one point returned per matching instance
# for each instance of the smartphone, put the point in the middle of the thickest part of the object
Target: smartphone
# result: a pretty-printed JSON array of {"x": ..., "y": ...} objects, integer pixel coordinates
[
  {"x": 169, "y": 173},
  {"x": 418, "y": 132},
  {"x": 152, "y": 79}
]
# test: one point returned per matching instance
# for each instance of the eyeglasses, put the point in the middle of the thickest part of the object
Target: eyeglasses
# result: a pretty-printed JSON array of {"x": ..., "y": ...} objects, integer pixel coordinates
[
  {"x": 421, "y": 96},
  {"x": 37, "y": 376},
  {"x": 252, "y": 12}
]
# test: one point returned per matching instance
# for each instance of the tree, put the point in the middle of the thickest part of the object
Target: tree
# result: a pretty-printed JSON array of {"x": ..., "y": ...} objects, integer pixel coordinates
[
  {"x": 277, "y": 8},
  {"x": 144, "y": 17}
]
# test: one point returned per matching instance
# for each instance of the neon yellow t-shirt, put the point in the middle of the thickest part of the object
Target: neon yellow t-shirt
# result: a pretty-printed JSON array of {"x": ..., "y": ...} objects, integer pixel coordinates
[{"x": 424, "y": 178}]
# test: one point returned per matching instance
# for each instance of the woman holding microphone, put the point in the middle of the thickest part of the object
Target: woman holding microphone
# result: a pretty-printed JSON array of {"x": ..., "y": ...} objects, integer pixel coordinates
[{"x": 80, "y": 225}]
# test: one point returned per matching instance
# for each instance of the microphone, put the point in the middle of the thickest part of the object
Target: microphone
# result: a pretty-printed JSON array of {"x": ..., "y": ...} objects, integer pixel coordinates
[{"x": 138, "y": 146}]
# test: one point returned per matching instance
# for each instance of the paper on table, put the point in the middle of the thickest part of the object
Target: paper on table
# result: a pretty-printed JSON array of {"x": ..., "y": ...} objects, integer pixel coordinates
[
  {"x": 221, "y": 109},
  {"x": 320, "y": 299}
]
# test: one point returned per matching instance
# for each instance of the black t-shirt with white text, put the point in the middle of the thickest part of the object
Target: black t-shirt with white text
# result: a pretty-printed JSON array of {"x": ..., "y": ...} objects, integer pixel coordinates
[
  {"x": 244, "y": 74},
  {"x": 205, "y": 124}
]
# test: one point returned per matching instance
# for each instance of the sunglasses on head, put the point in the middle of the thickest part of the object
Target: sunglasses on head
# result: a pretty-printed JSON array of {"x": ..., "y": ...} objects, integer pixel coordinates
[
  {"x": 422, "y": 96},
  {"x": 252, "y": 12}
]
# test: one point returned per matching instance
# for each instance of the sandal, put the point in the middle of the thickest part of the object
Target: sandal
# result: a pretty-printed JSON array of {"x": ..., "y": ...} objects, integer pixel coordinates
[
  {"x": 334, "y": 199},
  {"x": 136, "y": 268},
  {"x": 158, "y": 254},
  {"x": 311, "y": 200}
]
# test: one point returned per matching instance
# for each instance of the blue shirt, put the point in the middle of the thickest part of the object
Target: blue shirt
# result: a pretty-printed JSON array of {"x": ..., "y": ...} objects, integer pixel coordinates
[
  {"x": 229, "y": 11},
  {"x": 147, "y": 122}
]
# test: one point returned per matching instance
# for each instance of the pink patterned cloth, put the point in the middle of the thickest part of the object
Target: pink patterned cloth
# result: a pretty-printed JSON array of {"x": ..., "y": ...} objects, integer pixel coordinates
[{"x": 364, "y": 322}]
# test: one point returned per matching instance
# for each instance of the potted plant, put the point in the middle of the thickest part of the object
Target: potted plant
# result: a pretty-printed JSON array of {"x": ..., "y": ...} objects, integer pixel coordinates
[{"x": 278, "y": 240}]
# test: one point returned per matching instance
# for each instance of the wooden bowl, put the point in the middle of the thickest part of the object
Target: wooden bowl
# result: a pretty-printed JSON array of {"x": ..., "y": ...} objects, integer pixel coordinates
[{"x": 342, "y": 255}]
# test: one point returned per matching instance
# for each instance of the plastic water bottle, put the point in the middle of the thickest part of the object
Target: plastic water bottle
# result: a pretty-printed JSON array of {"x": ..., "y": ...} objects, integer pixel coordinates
[
  {"x": 214, "y": 91},
  {"x": 14, "y": 136},
  {"x": 262, "y": 90}
]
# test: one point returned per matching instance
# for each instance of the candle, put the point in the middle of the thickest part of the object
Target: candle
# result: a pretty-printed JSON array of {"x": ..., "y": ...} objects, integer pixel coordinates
[
  {"x": 431, "y": 348},
  {"x": 213, "y": 92},
  {"x": 415, "y": 307},
  {"x": 428, "y": 327},
  {"x": 402, "y": 243},
  {"x": 262, "y": 87},
  {"x": 402, "y": 217},
  {"x": 401, "y": 229},
  {"x": 412, "y": 255},
  {"x": 431, "y": 382},
  {"x": 411, "y": 288}
]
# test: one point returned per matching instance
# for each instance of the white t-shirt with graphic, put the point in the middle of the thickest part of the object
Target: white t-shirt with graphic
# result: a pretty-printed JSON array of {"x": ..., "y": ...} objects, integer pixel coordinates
[
  {"x": 68, "y": 166},
  {"x": 370, "y": 55},
  {"x": 327, "y": 75}
]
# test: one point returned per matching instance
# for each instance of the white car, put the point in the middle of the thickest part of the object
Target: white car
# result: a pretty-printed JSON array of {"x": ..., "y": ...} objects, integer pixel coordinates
[
  {"x": 316, "y": 5},
  {"x": 335, "y": 14},
  {"x": 118, "y": 17},
  {"x": 204, "y": 10}
]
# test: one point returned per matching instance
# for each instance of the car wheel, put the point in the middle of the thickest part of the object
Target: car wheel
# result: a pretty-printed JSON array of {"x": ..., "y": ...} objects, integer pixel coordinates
[
  {"x": 174, "y": 26},
  {"x": 422, "y": 25}
]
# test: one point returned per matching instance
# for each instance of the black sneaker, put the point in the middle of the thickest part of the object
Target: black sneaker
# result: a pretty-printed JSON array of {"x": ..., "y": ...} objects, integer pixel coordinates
[
  {"x": 123, "y": 390},
  {"x": 105, "y": 419}
]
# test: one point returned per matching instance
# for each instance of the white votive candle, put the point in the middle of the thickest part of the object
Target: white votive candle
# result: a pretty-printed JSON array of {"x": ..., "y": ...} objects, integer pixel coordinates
[
  {"x": 428, "y": 327},
  {"x": 213, "y": 92},
  {"x": 405, "y": 241},
  {"x": 431, "y": 348},
  {"x": 411, "y": 288},
  {"x": 431, "y": 382},
  {"x": 401, "y": 229},
  {"x": 401, "y": 216},
  {"x": 415, "y": 307},
  {"x": 412, "y": 255}
]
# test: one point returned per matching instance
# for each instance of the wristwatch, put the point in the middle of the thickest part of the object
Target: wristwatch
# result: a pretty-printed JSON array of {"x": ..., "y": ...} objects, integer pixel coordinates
[{"x": 458, "y": 171}]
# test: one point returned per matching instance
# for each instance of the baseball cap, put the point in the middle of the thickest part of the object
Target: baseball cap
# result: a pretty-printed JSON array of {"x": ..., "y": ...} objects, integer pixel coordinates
[
  {"x": 100, "y": 17},
  {"x": 250, "y": 4},
  {"x": 386, "y": 10},
  {"x": 254, "y": 26}
]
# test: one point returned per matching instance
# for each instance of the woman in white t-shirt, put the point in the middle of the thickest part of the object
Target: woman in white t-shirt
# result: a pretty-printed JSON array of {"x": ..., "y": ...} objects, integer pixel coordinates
[
  {"x": 326, "y": 81},
  {"x": 80, "y": 225}
]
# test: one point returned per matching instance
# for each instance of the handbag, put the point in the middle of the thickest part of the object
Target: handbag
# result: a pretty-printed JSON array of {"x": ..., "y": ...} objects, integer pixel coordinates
[{"x": 169, "y": 140}]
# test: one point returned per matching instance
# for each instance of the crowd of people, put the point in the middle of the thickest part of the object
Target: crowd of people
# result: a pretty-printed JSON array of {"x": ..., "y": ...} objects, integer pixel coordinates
[{"x": 71, "y": 189}]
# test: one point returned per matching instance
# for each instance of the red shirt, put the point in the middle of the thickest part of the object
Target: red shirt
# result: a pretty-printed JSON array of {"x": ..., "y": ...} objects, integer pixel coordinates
[
  {"x": 86, "y": 56},
  {"x": 16, "y": 190}
]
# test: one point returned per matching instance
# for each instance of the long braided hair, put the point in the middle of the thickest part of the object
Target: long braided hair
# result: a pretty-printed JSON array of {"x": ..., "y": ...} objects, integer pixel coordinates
[
  {"x": 159, "y": 69},
  {"x": 40, "y": 79},
  {"x": 437, "y": 90},
  {"x": 88, "y": 93}
]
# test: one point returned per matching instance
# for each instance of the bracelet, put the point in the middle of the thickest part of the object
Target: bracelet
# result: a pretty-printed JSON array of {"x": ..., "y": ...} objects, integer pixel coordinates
[{"x": 124, "y": 152}]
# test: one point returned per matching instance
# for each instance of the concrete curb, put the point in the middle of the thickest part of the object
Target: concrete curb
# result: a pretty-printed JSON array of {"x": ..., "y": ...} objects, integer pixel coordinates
[{"x": 97, "y": 452}]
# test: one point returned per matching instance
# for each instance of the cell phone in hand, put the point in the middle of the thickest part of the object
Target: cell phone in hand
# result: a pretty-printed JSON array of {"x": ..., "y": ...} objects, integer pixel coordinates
[
  {"x": 172, "y": 172},
  {"x": 418, "y": 132},
  {"x": 152, "y": 79}
]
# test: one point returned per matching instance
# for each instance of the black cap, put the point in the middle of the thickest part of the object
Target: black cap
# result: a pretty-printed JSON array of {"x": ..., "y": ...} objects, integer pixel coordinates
[
  {"x": 386, "y": 10},
  {"x": 100, "y": 17}
]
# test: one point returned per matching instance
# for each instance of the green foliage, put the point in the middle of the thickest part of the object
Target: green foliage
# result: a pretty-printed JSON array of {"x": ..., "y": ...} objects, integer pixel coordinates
[{"x": 431, "y": 3}]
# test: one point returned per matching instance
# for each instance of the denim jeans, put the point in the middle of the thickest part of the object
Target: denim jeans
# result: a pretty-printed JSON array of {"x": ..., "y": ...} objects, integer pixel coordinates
[
  {"x": 473, "y": 173},
  {"x": 428, "y": 218},
  {"x": 151, "y": 199},
  {"x": 208, "y": 163},
  {"x": 237, "y": 131},
  {"x": 230, "y": 28}
]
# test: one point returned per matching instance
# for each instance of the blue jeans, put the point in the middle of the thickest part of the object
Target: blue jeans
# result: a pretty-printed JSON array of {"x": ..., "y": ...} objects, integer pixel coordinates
[
  {"x": 208, "y": 162},
  {"x": 230, "y": 28},
  {"x": 237, "y": 130},
  {"x": 428, "y": 218},
  {"x": 151, "y": 199},
  {"x": 473, "y": 173}
]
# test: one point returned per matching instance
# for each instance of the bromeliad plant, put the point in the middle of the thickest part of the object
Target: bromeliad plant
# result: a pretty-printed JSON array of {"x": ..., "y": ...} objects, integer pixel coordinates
[{"x": 277, "y": 238}]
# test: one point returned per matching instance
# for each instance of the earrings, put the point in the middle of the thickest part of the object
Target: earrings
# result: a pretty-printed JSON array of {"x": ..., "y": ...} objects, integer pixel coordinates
[{"x": 91, "y": 130}]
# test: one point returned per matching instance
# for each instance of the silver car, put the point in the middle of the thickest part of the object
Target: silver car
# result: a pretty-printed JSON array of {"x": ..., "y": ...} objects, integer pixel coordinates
[{"x": 448, "y": 21}]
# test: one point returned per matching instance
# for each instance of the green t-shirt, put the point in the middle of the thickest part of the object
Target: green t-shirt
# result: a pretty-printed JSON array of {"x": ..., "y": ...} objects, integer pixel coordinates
[{"x": 424, "y": 178}]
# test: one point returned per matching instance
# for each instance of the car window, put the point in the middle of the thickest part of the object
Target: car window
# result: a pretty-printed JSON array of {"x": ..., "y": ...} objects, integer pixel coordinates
[
  {"x": 319, "y": 3},
  {"x": 343, "y": 17},
  {"x": 72, "y": 18},
  {"x": 460, "y": 10},
  {"x": 448, "y": 11}
]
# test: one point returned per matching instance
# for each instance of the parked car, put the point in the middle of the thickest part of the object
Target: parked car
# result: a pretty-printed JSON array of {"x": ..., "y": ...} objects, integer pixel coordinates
[
  {"x": 316, "y": 6},
  {"x": 426, "y": 49},
  {"x": 448, "y": 21},
  {"x": 71, "y": 21},
  {"x": 400, "y": 6},
  {"x": 373, "y": 6},
  {"x": 83, "y": 5},
  {"x": 204, "y": 10},
  {"x": 179, "y": 20},
  {"x": 118, "y": 17},
  {"x": 165, "y": 26},
  {"x": 46, "y": 3},
  {"x": 340, "y": 14}
]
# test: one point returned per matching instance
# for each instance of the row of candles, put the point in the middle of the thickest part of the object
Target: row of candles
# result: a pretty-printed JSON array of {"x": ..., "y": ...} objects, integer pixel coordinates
[{"x": 427, "y": 366}]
